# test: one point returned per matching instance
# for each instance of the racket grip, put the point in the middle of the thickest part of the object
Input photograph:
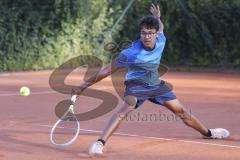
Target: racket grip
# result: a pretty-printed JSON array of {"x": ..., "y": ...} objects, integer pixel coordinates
[{"x": 73, "y": 99}]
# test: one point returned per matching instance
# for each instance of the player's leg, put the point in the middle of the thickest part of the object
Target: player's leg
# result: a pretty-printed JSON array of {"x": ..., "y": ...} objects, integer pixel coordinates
[
  {"x": 176, "y": 107},
  {"x": 190, "y": 120},
  {"x": 113, "y": 123}
]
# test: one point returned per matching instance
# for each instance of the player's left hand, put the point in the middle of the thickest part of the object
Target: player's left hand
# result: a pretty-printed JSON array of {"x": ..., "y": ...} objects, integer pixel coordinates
[{"x": 155, "y": 11}]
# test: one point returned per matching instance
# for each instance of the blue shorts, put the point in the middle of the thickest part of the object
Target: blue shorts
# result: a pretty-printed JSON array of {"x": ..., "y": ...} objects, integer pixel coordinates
[{"x": 157, "y": 94}]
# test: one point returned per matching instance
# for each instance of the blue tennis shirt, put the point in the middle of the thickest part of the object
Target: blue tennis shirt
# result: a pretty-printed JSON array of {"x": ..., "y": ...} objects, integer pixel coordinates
[{"x": 142, "y": 65}]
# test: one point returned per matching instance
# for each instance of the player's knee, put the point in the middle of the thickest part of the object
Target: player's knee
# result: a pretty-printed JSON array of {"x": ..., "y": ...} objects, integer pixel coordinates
[
  {"x": 185, "y": 116},
  {"x": 186, "y": 121},
  {"x": 130, "y": 100},
  {"x": 121, "y": 116}
]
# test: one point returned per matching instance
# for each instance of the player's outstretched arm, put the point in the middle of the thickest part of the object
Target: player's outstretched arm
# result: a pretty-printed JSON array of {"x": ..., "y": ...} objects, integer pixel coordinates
[
  {"x": 155, "y": 10},
  {"x": 103, "y": 73}
]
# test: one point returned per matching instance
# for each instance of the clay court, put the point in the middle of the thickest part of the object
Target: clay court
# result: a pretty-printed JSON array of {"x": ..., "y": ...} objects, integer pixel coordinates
[{"x": 212, "y": 97}]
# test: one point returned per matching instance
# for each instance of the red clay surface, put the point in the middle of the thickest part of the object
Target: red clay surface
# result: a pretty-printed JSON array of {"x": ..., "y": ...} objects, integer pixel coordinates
[{"x": 212, "y": 97}]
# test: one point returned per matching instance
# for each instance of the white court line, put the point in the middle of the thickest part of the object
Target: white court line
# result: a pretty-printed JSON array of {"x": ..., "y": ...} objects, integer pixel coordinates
[
  {"x": 155, "y": 138},
  {"x": 47, "y": 92},
  {"x": 32, "y": 93}
]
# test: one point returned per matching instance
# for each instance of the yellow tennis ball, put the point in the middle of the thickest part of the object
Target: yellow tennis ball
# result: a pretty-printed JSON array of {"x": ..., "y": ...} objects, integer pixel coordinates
[{"x": 24, "y": 91}]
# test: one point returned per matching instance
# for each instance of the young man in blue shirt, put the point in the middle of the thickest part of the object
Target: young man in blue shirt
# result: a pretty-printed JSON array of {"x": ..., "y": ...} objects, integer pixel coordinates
[{"x": 142, "y": 82}]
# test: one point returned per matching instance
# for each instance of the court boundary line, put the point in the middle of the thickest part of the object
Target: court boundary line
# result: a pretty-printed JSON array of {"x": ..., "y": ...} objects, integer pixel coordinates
[
  {"x": 151, "y": 137},
  {"x": 49, "y": 92},
  {"x": 32, "y": 93}
]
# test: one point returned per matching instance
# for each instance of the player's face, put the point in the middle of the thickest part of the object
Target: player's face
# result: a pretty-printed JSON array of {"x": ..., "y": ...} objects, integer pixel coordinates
[{"x": 148, "y": 38}]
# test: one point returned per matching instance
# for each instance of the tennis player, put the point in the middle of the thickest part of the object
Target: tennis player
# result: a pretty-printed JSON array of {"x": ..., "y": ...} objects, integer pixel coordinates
[{"x": 142, "y": 81}]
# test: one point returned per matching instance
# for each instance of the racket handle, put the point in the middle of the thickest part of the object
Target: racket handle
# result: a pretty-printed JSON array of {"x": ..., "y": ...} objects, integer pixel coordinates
[{"x": 73, "y": 99}]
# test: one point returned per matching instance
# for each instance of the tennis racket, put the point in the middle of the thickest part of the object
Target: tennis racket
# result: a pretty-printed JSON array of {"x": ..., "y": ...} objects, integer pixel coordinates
[{"x": 66, "y": 130}]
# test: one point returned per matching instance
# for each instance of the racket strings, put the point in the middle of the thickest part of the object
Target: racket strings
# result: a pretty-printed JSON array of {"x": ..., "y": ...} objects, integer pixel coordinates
[{"x": 65, "y": 131}]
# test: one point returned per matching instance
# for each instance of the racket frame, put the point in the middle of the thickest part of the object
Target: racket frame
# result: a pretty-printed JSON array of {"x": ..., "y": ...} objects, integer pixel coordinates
[{"x": 70, "y": 109}]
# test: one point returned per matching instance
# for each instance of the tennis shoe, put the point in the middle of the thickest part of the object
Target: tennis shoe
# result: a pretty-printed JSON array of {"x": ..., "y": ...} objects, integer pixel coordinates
[
  {"x": 96, "y": 148},
  {"x": 219, "y": 133}
]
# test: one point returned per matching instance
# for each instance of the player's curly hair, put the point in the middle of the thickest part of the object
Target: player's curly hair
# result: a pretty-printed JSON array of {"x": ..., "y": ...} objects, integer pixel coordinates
[{"x": 149, "y": 22}]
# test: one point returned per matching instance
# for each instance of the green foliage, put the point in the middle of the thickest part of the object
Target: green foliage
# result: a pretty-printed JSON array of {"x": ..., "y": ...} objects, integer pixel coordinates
[
  {"x": 199, "y": 32},
  {"x": 44, "y": 34}
]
